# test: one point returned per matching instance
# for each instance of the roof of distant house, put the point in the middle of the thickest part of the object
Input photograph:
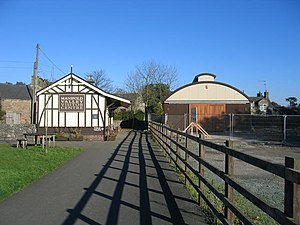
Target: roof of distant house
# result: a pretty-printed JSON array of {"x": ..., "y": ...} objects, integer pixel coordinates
[
  {"x": 15, "y": 91},
  {"x": 256, "y": 99}
]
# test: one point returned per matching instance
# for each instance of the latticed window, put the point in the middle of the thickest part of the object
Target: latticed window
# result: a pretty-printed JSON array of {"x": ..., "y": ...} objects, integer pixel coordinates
[{"x": 263, "y": 108}]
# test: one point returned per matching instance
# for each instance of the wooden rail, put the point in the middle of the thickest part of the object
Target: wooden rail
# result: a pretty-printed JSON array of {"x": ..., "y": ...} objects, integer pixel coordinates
[{"x": 169, "y": 140}]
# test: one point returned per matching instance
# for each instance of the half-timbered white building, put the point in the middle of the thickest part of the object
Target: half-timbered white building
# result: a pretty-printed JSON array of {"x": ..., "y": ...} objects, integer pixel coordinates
[{"x": 74, "y": 103}]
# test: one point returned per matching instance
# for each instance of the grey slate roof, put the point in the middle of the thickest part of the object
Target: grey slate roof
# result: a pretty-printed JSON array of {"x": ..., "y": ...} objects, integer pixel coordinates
[
  {"x": 255, "y": 99},
  {"x": 13, "y": 91}
]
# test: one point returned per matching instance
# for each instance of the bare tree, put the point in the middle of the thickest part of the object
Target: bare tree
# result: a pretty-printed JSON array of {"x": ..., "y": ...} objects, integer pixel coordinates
[
  {"x": 100, "y": 80},
  {"x": 148, "y": 74}
]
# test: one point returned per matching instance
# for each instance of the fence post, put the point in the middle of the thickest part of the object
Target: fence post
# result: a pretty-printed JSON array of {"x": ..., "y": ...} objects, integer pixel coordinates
[
  {"x": 166, "y": 144},
  {"x": 165, "y": 139},
  {"x": 229, "y": 170},
  {"x": 169, "y": 135},
  {"x": 170, "y": 143},
  {"x": 231, "y": 122},
  {"x": 162, "y": 135},
  {"x": 201, "y": 154},
  {"x": 292, "y": 192},
  {"x": 284, "y": 128},
  {"x": 185, "y": 160},
  {"x": 176, "y": 149}
]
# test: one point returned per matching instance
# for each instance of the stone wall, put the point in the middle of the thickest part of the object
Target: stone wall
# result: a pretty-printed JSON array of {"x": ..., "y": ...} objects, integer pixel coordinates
[
  {"x": 9, "y": 133},
  {"x": 18, "y": 106}
]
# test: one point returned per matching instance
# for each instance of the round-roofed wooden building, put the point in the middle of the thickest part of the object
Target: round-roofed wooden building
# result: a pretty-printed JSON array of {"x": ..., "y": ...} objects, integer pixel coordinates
[{"x": 204, "y": 98}]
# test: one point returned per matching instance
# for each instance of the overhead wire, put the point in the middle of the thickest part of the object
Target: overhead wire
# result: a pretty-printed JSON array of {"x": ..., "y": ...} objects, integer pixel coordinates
[
  {"x": 14, "y": 67},
  {"x": 13, "y": 61},
  {"x": 9, "y": 64},
  {"x": 51, "y": 61}
]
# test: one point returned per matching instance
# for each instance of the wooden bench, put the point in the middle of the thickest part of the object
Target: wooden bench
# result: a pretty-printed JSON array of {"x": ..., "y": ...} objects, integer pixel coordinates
[{"x": 22, "y": 142}]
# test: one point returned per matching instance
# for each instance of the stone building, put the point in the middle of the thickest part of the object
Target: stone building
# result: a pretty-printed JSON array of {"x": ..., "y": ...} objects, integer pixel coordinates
[
  {"x": 39, "y": 82},
  {"x": 15, "y": 101},
  {"x": 261, "y": 103}
]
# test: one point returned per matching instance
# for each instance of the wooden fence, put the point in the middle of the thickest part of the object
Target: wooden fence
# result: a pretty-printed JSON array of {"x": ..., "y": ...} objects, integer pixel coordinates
[{"x": 169, "y": 140}]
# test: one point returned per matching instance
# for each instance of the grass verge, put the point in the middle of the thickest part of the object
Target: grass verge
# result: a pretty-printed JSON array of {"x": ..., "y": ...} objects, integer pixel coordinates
[
  {"x": 252, "y": 212},
  {"x": 255, "y": 215},
  {"x": 20, "y": 167}
]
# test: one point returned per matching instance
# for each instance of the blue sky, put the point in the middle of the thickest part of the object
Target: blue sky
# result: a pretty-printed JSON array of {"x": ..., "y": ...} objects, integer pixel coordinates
[{"x": 241, "y": 41}]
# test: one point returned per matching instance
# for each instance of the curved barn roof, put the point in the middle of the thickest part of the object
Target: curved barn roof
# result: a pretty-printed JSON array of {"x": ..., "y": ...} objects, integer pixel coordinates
[{"x": 209, "y": 91}]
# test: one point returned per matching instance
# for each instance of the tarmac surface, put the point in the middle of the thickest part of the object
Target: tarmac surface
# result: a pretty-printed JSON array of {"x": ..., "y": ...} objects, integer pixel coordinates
[{"x": 127, "y": 181}]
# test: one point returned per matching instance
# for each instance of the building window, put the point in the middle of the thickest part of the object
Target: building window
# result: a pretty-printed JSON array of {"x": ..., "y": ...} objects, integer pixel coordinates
[
  {"x": 13, "y": 118},
  {"x": 263, "y": 108},
  {"x": 194, "y": 115}
]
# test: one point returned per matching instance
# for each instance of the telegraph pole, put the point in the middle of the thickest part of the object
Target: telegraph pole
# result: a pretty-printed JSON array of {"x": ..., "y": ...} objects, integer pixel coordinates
[{"x": 34, "y": 84}]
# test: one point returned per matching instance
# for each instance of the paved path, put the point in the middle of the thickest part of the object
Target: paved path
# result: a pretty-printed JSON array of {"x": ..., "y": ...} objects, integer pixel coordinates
[{"x": 127, "y": 181}]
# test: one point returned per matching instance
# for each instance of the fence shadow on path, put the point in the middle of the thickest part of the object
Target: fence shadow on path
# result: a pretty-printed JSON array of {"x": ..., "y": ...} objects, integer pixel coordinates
[{"x": 136, "y": 191}]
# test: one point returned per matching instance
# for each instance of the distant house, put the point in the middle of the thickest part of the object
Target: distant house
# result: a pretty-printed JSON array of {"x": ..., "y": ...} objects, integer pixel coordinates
[
  {"x": 261, "y": 103},
  {"x": 39, "y": 82},
  {"x": 15, "y": 101}
]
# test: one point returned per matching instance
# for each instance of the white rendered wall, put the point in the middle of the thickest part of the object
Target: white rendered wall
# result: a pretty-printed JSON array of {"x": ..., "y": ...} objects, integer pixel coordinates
[{"x": 207, "y": 92}]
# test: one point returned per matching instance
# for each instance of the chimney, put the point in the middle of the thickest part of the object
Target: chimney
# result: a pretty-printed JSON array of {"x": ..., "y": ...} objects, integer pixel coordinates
[
  {"x": 266, "y": 95},
  {"x": 259, "y": 94},
  {"x": 90, "y": 79}
]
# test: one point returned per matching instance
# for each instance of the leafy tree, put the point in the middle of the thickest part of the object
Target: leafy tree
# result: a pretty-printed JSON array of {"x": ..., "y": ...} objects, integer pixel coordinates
[
  {"x": 282, "y": 110},
  {"x": 275, "y": 104},
  {"x": 20, "y": 83},
  {"x": 158, "y": 109},
  {"x": 154, "y": 94},
  {"x": 277, "y": 109},
  {"x": 292, "y": 101},
  {"x": 122, "y": 115},
  {"x": 100, "y": 80},
  {"x": 139, "y": 115},
  {"x": 127, "y": 115},
  {"x": 292, "y": 109}
]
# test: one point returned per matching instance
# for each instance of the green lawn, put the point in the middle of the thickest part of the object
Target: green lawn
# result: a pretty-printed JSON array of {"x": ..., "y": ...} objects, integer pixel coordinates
[{"x": 20, "y": 167}]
